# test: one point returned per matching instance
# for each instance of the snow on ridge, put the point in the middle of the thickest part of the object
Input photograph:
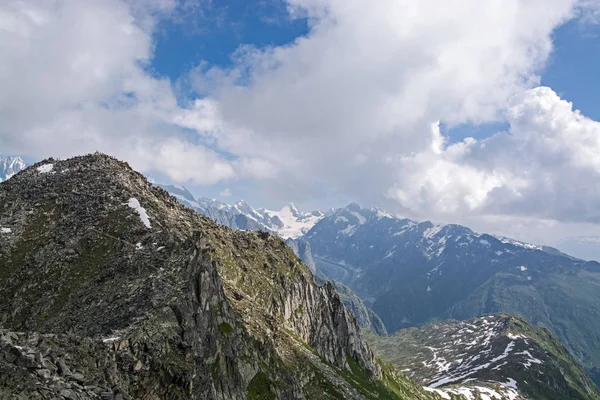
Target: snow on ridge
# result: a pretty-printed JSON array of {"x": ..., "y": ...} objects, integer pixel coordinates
[
  {"x": 135, "y": 204},
  {"x": 44, "y": 169},
  {"x": 434, "y": 230},
  {"x": 360, "y": 217},
  {"x": 382, "y": 214},
  {"x": 517, "y": 243},
  {"x": 441, "y": 393},
  {"x": 295, "y": 223}
]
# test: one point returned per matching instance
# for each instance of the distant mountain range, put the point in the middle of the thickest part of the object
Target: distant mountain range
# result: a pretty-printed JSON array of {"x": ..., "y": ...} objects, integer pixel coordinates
[
  {"x": 288, "y": 222},
  {"x": 413, "y": 273},
  {"x": 9, "y": 166},
  {"x": 586, "y": 247}
]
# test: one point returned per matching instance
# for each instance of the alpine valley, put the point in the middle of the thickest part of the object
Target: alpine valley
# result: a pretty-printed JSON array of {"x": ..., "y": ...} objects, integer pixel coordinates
[
  {"x": 114, "y": 289},
  {"x": 414, "y": 273}
]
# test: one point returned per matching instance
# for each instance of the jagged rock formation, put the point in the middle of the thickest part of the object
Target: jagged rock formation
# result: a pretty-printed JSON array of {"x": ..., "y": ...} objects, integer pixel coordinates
[
  {"x": 112, "y": 289},
  {"x": 365, "y": 317},
  {"x": 500, "y": 353}
]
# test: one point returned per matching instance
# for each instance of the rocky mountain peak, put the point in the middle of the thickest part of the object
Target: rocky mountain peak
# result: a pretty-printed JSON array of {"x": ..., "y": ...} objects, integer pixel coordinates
[{"x": 128, "y": 294}]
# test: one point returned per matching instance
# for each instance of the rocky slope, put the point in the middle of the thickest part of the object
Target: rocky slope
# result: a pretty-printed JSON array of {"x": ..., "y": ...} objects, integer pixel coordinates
[
  {"x": 496, "y": 352},
  {"x": 9, "y": 166},
  {"x": 114, "y": 290},
  {"x": 412, "y": 273}
]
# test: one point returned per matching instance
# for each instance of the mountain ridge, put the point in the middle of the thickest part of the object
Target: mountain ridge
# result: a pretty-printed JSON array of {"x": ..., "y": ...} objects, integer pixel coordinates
[{"x": 126, "y": 293}]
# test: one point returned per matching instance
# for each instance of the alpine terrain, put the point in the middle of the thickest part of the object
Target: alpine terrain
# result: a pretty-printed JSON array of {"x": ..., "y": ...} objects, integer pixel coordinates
[
  {"x": 111, "y": 289},
  {"x": 476, "y": 353},
  {"x": 413, "y": 273}
]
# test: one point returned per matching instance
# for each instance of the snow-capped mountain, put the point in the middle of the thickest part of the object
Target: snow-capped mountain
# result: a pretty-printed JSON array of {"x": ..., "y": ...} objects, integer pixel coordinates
[
  {"x": 9, "y": 166},
  {"x": 411, "y": 273},
  {"x": 289, "y": 222},
  {"x": 293, "y": 223}
]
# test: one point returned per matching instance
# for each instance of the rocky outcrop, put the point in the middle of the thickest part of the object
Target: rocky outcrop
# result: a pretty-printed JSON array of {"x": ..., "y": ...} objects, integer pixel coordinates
[
  {"x": 365, "y": 317},
  {"x": 112, "y": 289}
]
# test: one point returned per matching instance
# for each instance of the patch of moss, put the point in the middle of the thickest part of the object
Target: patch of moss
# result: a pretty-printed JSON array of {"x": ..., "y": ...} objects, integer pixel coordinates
[
  {"x": 259, "y": 388},
  {"x": 225, "y": 328},
  {"x": 214, "y": 369}
]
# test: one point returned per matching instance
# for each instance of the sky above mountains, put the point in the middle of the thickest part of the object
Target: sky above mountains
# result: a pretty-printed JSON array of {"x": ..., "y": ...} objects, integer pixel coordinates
[{"x": 475, "y": 112}]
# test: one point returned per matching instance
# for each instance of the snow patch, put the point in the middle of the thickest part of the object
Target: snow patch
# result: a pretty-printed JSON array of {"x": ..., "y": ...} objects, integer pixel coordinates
[
  {"x": 441, "y": 393},
  {"x": 5, "y": 230},
  {"x": 135, "y": 204},
  {"x": 511, "y": 383},
  {"x": 295, "y": 223},
  {"x": 360, "y": 217},
  {"x": 430, "y": 232},
  {"x": 44, "y": 169}
]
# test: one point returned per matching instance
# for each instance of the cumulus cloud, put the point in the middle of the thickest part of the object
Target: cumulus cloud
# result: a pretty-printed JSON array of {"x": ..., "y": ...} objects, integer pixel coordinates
[
  {"x": 543, "y": 166},
  {"x": 357, "y": 103},
  {"x": 74, "y": 78},
  {"x": 353, "y": 107},
  {"x": 225, "y": 193}
]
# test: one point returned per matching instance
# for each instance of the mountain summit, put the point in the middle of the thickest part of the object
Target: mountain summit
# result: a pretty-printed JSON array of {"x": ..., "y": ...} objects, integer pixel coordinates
[{"x": 112, "y": 289}]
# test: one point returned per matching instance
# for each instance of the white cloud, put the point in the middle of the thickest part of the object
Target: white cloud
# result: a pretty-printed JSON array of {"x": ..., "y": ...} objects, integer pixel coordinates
[
  {"x": 225, "y": 193},
  {"x": 349, "y": 107},
  {"x": 545, "y": 166},
  {"x": 73, "y": 79},
  {"x": 353, "y": 102}
]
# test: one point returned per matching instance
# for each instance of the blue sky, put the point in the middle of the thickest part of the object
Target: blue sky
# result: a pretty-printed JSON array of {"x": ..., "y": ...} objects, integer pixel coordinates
[{"x": 215, "y": 33}]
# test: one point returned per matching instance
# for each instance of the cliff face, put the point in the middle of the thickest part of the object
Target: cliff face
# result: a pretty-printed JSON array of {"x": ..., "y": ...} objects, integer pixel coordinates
[{"x": 112, "y": 289}]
